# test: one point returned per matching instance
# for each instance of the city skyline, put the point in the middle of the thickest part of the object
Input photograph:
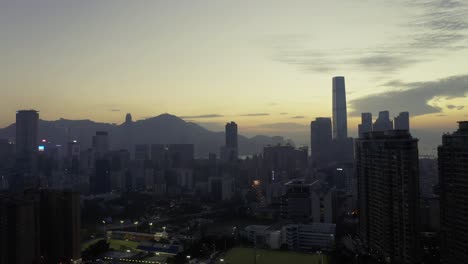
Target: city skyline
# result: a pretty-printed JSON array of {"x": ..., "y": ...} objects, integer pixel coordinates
[{"x": 110, "y": 58}]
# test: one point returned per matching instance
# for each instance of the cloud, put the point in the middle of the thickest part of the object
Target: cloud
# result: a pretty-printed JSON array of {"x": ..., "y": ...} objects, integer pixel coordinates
[
  {"x": 419, "y": 98},
  {"x": 283, "y": 113},
  {"x": 285, "y": 125},
  {"x": 115, "y": 110},
  {"x": 437, "y": 27},
  {"x": 457, "y": 107},
  {"x": 202, "y": 116},
  {"x": 298, "y": 117},
  {"x": 256, "y": 114}
]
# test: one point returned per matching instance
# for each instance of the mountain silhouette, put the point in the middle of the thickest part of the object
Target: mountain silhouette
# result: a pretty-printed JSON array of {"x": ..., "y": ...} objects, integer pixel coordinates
[{"x": 162, "y": 129}]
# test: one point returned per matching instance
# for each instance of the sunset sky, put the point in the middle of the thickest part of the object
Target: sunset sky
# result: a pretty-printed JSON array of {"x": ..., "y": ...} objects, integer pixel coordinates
[{"x": 265, "y": 64}]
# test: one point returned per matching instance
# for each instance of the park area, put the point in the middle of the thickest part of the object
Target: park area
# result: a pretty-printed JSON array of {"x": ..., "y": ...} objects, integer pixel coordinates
[{"x": 247, "y": 256}]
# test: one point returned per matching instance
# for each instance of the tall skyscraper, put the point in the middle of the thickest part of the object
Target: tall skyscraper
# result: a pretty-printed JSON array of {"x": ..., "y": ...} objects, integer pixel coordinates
[
  {"x": 230, "y": 151},
  {"x": 388, "y": 193},
  {"x": 321, "y": 139},
  {"x": 453, "y": 181},
  {"x": 383, "y": 122},
  {"x": 231, "y": 135},
  {"x": 27, "y": 126},
  {"x": 366, "y": 124},
  {"x": 401, "y": 122},
  {"x": 340, "y": 122}
]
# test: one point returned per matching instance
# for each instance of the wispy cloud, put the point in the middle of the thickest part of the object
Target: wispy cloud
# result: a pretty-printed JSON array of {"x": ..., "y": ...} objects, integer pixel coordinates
[
  {"x": 419, "y": 98},
  {"x": 283, "y": 113},
  {"x": 256, "y": 114},
  {"x": 436, "y": 28},
  {"x": 285, "y": 125},
  {"x": 202, "y": 116},
  {"x": 298, "y": 117},
  {"x": 115, "y": 110}
]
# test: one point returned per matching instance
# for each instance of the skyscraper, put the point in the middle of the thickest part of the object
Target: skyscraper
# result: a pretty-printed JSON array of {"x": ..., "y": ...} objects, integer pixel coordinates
[
  {"x": 453, "y": 180},
  {"x": 231, "y": 135},
  {"x": 27, "y": 126},
  {"x": 366, "y": 124},
  {"x": 340, "y": 123},
  {"x": 401, "y": 122},
  {"x": 383, "y": 122},
  {"x": 230, "y": 151},
  {"x": 388, "y": 194},
  {"x": 101, "y": 143},
  {"x": 321, "y": 139}
]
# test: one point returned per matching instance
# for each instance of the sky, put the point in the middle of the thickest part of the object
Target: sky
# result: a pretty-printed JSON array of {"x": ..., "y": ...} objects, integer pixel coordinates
[{"x": 266, "y": 64}]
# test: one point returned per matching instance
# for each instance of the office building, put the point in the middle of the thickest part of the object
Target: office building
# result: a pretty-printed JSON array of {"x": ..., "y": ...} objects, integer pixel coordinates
[
  {"x": 263, "y": 236},
  {"x": 340, "y": 121},
  {"x": 309, "y": 237},
  {"x": 388, "y": 195},
  {"x": 101, "y": 143},
  {"x": 27, "y": 129},
  {"x": 401, "y": 122},
  {"x": 321, "y": 140},
  {"x": 453, "y": 181}
]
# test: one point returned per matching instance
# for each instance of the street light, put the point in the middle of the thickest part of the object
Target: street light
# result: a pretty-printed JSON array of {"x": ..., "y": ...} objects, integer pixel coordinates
[
  {"x": 136, "y": 226},
  {"x": 222, "y": 260},
  {"x": 104, "y": 224},
  {"x": 121, "y": 224},
  {"x": 321, "y": 256},
  {"x": 150, "y": 226}
]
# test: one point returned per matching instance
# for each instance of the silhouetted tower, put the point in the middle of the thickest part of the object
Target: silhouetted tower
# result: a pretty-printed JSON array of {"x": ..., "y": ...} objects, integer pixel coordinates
[
  {"x": 230, "y": 151},
  {"x": 401, "y": 122},
  {"x": 340, "y": 123},
  {"x": 366, "y": 124},
  {"x": 383, "y": 122},
  {"x": 453, "y": 180},
  {"x": 128, "y": 130},
  {"x": 101, "y": 143},
  {"x": 321, "y": 139},
  {"x": 231, "y": 135},
  {"x": 27, "y": 126}
]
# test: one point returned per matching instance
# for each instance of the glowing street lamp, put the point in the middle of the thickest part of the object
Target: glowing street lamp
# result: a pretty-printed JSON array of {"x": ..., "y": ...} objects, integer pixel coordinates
[
  {"x": 121, "y": 224},
  {"x": 104, "y": 224},
  {"x": 136, "y": 226},
  {"x": 150, "y": 227}
]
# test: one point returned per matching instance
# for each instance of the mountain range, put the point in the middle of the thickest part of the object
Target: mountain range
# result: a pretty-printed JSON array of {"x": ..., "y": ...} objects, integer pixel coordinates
[{"x": 162, "y": 129}]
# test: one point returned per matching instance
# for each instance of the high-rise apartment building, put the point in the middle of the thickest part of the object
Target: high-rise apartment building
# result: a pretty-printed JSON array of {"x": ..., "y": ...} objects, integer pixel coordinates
[
  {"x": 388, "y": 195},
  {"x": 453, "y": 181}
]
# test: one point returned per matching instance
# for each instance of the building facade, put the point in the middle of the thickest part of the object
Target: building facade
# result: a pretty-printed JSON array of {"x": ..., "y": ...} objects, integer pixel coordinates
[
  {"x": 453, "y": 180},
  {"x": 388, "y": 195}
]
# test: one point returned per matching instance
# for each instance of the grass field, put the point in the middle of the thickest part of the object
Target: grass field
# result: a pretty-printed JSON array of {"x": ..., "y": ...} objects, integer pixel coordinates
[
  {"x": 246, "y": 256},
  {"x": 113, "y": 244},
  {"x": 118, "y": 244}
]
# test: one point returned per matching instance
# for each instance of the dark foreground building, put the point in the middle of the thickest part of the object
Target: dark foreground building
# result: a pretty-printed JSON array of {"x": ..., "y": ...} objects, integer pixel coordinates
[
  {"x": 453, "y": 180},
  {"x": 40, "y": 227},
  {"x": 388, "y": 193}
]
